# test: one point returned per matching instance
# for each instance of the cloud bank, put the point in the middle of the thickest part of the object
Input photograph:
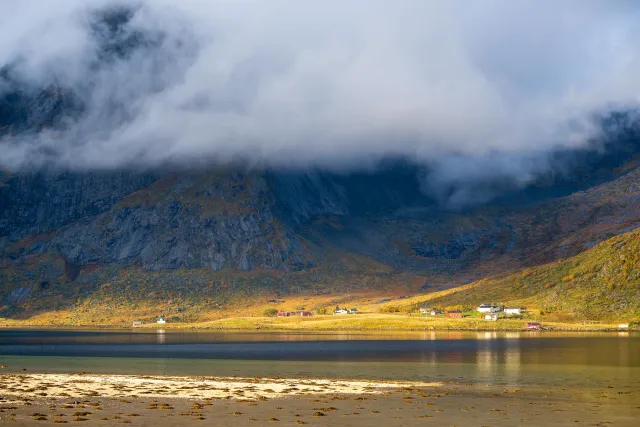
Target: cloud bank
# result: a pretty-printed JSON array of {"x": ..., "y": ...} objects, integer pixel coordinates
[{"x": 324, "y": 83}]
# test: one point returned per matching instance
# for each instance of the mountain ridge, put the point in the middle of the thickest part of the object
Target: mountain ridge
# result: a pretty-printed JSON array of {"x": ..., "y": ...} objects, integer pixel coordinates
[{"x": 272, "y": 235}]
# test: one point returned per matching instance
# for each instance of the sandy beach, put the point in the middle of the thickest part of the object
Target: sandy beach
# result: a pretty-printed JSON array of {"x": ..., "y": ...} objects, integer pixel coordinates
[
  {"x": 131, "y": 386},
  {"x": 37, "y": 399}
]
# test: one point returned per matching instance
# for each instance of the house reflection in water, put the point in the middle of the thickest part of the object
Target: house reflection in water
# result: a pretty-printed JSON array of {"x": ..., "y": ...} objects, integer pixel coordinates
[
  {"x": 162, "y": 339},
  {"x": 512, "y": 360},
  {"x": 489, "y": 335},
  {"x": 498, "y": 356},
  {"x": 454, "y": 335},
  {"x": 429, "y": 336},
  {"x": 623, "y": 354},
  {"x": 486, "y": 364}
]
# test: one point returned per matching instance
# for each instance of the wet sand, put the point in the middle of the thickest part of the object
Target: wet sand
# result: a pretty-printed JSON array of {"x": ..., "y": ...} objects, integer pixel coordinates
[{"x": 40, "y": 399}]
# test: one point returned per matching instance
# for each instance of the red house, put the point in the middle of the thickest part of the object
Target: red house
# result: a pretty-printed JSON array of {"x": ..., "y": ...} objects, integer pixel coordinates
[
  {"x": 455, "y": 314},
  {"x": 533, "y": 326},
  {"x": 283, "y": 313},
  {"x": 306, "y": 314}
]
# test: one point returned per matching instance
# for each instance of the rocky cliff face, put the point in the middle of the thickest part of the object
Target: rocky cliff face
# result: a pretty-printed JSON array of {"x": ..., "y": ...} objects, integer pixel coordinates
[
  {"x": 212, "y": 219},
  {"x": 264, "y": 220},
  {"x": 36, "y": 203},
  {"x": 158, "y": 222}
]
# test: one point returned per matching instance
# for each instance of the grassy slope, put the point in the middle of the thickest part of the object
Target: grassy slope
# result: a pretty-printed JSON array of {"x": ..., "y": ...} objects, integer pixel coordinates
[{"x": 601, "y": 283}]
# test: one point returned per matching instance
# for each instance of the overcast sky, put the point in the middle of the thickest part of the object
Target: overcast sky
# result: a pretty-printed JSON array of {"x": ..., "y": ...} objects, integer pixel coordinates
[{"x": 330, "y": 82}]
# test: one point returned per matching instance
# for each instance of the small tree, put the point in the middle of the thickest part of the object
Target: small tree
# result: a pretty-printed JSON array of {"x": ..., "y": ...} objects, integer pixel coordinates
[
  {"x": 322, "y": 310},
  {"x": 270, "y": 312}
]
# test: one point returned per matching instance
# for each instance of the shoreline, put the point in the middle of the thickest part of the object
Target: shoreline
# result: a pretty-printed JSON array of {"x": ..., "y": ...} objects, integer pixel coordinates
[
  {"x": 94, "y": 399},
  {"x": 577, "y": 327},
  {"x": 327, "y": 331},
  {"x": 299, "y": 331}
]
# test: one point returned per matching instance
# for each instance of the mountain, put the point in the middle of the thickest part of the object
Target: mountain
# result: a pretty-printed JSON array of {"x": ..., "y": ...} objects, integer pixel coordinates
[
  {"x": 198, "y": 239},
  {"x": 213, "y": 237}
]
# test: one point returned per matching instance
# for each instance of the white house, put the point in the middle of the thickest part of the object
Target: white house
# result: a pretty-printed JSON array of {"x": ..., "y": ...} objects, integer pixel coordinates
[
  {"x": 488, "y": 308},
  {"x": 491, "y": 317},
  {"x": 435, "y": 312},
  {"x": 161, "y": 321},
  {"x": 341, "y": 311},
  {"x": 425, "y": 310},
  {"x": 353, "y": 311},
  {"x": 513, "y": 310}
]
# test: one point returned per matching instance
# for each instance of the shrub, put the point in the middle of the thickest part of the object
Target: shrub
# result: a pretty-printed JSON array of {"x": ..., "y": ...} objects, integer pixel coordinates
[
  {"x": 322, "y": 310},
  {"x": 270, "y": 312}
]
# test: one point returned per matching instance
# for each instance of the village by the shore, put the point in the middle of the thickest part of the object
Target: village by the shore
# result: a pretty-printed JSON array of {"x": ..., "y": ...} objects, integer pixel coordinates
[{"x": 495, "y": 316}]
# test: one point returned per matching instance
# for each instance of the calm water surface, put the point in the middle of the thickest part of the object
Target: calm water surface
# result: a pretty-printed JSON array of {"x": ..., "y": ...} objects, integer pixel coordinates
[{"x": 543, "y": 359}]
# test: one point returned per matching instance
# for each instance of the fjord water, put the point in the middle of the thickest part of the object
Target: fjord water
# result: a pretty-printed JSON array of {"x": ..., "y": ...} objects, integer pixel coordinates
[{"x": 540, "y": 359}]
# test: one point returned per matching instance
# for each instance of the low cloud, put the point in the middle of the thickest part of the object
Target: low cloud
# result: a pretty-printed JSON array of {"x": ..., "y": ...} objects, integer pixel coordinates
[{"x": 326, "y": 83}]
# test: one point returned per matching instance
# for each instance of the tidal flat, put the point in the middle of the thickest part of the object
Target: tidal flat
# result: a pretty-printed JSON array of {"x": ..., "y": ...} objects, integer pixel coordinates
[{"x": 37, "y": 399}]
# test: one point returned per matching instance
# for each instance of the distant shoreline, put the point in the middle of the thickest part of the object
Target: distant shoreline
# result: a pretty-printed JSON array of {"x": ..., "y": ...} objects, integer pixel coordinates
[
  {"x": 328, "y": 331},
  {"x": 347, "y": 323}
]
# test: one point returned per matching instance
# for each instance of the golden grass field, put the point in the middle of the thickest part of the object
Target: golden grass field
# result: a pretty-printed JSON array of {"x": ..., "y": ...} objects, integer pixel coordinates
[
  {"x": 359, "y": 322},
  {"x": 383, "y": 322}
]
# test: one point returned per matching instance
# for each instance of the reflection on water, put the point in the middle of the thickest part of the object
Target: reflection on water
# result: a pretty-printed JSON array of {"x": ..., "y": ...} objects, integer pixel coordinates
[
  {"x": 541, "y": 359},
  {"x": 486, "y": 350},
  {"x": 142, "y": 336},
  {"x": 105, "y": 336},
  {"x": 162, "y": 339},
  {"x": 513, "y": 361},
  {"x": 487, "y": 335}
]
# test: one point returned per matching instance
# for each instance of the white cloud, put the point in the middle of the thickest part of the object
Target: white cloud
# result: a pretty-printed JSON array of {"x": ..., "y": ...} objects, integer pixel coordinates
[{"x": 326, "y": 82}]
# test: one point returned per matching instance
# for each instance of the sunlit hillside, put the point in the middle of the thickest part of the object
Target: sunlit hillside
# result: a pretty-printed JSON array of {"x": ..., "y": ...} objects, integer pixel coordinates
[{"x": 601, "y": 283}]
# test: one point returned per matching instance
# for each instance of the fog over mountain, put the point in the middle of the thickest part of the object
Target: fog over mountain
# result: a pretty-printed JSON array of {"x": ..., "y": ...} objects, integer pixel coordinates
[{"x": 477, "y": 93}]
